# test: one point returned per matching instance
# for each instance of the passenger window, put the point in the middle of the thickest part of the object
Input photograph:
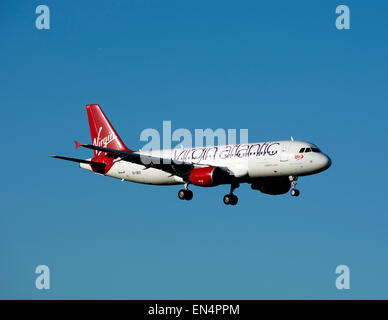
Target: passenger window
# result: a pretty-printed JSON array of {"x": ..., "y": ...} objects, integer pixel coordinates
[
  {"x": 301, "y": 150},
  {"x": 308, "y": 150}
]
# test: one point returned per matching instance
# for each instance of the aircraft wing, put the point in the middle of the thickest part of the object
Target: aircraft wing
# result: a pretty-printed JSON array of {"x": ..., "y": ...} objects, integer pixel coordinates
[
  {"x": 174, "y": 167},
  {"x": 179, "y": 168}
]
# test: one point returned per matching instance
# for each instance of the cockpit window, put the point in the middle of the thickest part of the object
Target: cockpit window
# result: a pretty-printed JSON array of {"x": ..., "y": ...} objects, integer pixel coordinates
[{"x": 309, "y": 150}]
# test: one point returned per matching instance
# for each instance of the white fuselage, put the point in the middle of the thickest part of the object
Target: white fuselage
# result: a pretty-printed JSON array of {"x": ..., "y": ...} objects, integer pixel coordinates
[{"x": 244, "y": 161}]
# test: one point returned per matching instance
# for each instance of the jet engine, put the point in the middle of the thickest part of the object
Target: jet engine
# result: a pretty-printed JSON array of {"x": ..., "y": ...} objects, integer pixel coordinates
[
  {"x": 273, "y": 186},
  {"x": 207, "y": 176}
]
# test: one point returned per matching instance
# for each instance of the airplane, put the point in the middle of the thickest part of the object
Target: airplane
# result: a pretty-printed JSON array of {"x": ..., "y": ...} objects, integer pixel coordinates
[{"x": 271, "y": 167}]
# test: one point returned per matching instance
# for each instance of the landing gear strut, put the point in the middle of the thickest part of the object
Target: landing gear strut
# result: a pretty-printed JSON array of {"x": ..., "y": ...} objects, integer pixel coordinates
[
  {"x": 185, "y": 194},
  {"x": 230, "y": 198},
  {"x": 294, "y": 192}
]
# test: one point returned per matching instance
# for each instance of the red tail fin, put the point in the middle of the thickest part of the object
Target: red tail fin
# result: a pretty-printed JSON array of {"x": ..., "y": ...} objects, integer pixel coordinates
[{"x": 102, "y": 132}]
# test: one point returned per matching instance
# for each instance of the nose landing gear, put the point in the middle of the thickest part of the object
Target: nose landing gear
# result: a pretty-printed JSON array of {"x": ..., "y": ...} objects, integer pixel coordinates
[
  {"x": 294, "y": 192},
  {"x": 231, "y": 198}
]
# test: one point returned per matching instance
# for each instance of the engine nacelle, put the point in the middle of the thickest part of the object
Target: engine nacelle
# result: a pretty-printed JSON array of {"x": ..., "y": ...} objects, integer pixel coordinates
[
  {"x": 207, "y": 176},
  {"x": 274, "y": 186}
]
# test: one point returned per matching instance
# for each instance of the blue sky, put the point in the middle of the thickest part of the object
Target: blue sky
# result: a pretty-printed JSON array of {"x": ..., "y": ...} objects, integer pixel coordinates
[{"x": 276, "y": 68}]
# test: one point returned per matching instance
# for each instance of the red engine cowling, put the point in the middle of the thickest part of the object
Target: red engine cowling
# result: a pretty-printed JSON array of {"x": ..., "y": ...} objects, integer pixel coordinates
[{"x": 207, "y": 176}]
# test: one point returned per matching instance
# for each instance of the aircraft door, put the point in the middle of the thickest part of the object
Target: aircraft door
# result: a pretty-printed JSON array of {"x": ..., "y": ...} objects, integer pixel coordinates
[{"x": 284, "y": 153}]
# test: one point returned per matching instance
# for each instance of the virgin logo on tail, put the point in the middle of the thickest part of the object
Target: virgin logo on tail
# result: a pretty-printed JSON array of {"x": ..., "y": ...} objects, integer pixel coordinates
[{"x": 104, "y": 141}]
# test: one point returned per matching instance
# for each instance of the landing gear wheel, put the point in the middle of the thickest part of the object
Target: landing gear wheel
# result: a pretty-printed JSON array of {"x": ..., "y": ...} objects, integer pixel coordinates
[
  {"x": 234, "y": 200},
  {"x": 295, "y": 192},
  {"x": 227, "y": 199},
  {"x": 189, "y": 195},
  {"x": 230, "y": 199},
  {"x": 185, "y": 194},
  {"x": 182, "y": 194}
]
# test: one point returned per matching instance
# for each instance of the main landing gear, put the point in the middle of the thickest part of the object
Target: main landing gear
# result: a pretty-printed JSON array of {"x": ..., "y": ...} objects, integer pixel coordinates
[
  {"x": 294, "y": 192},
  {"x": 231, "y": 198},
  {"x": 185, "y": 194}
]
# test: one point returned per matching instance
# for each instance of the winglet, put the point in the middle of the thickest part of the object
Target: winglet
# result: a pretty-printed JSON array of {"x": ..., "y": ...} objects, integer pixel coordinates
[{"x": 77, "y": 144}]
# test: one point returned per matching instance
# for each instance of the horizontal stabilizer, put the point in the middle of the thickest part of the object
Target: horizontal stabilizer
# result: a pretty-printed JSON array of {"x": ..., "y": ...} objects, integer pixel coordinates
[
  {"x": 73, "y": 159},
  {"x": 97, "y": 166}
]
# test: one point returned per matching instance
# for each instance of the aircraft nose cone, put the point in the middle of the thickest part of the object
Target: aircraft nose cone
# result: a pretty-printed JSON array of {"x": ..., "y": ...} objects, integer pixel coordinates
[{"x": 326, "y": 162}]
